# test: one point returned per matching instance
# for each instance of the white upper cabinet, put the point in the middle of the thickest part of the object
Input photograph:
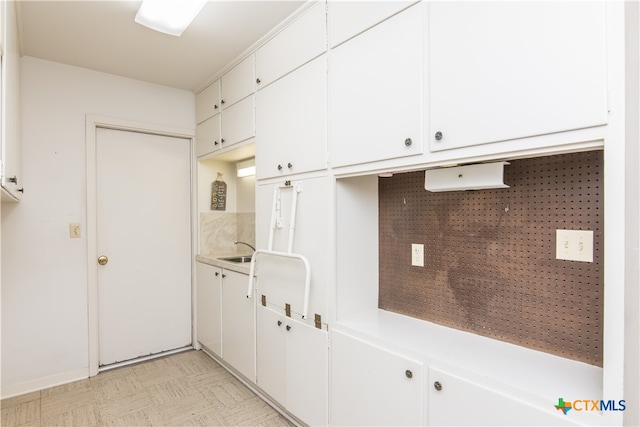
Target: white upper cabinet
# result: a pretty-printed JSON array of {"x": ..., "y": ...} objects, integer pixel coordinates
[
  {"x": 291, "y": 122},
  {"x": 10, "y": 135},
  {"x": 507, "y": 70},
  {"x": 208, "y": 102},
  {"x": 235, "y": 85},
  {"x": 208, "y": 136},
  {"x": 349, "y": 18},
  {"x": 237, "y": 122},
  {"x": 238, "y": 83},
  {"x": 375, "y": 92},
  {"x": 297, "y": 44}
]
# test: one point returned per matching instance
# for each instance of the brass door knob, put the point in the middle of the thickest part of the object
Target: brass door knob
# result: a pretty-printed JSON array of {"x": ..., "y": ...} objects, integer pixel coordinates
[{"x": 102, "y": 259}]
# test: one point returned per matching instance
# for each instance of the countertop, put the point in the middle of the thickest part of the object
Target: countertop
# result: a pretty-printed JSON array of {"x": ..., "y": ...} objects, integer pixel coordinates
[{"x": 214, "y": 260}]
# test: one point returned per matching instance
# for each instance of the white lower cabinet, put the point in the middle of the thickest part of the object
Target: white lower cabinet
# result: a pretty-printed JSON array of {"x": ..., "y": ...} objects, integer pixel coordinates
[
  {"x": 373, "y": 386},
  {"x": 238, "y": 324},
  {"x": 292, "y": 365},
  {"x": 209, "y": 307},
  {"x": 482, "y": 405},
  {"x": 301, "y": 41}
]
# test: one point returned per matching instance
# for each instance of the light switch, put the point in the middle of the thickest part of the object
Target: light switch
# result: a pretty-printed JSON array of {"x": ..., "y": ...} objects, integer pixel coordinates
[
  {"x": 574, "y": 245},
  {"x": 417, "y": 255},
  {"x": 74, "y": 230}
]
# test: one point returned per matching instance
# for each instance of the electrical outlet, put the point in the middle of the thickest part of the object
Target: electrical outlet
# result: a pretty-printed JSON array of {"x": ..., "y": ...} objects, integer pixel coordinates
[
  {"x": 574, "y": 245},
  {"x": 417, "y": 254},
  {"x": 74, "y": 230}
]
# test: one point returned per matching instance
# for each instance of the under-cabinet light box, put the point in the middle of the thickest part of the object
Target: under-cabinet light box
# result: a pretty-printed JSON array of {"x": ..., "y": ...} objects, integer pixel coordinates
[
  {"x": 480, "y": 176},
  {"x": 246, "y": 168}
]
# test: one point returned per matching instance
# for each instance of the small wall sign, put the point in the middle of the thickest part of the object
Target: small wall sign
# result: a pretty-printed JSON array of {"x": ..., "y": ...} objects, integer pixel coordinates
[{"x": 219, "y": 194}]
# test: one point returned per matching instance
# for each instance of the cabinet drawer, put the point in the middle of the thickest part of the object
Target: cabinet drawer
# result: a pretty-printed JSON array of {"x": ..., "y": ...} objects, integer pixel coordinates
[{"x": 300, "y": 42}]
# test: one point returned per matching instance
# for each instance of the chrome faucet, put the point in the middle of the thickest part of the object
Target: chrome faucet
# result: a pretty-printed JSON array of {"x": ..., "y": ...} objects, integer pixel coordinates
[{"x": 244, "y": 243}]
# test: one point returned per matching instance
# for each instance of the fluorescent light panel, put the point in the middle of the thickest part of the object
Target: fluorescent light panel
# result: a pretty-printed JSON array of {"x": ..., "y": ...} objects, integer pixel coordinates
[
  {"x": 168, "y": 16},
  {"x": 246, "y": 168}
]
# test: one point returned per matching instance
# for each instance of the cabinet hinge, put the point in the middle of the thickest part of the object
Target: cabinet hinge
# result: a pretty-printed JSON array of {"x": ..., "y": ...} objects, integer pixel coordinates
[
  {"x": 318, "y": 321},
  {"x": 287, "y": 309},
  {"x": 263, "y": 300}
]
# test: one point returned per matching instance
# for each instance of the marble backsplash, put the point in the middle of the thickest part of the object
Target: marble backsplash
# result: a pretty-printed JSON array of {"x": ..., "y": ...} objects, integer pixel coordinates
[{"x": 218, "y": 231}]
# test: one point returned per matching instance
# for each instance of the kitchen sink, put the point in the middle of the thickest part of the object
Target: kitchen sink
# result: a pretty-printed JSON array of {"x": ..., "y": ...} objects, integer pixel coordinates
[{"x": 239, "y": 259}]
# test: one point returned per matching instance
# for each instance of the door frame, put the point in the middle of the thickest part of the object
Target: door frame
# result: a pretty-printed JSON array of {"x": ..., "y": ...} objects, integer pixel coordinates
[{"x": 92, "y": 124}]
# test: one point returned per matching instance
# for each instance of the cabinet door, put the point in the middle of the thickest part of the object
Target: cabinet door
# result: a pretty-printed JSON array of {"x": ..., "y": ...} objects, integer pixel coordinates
[
  {"x": 209, "y": 307},
  {"x": 482, "y": 405},
  {"x": 238, "y": 324},
  {"x": 238, "y": 83},
  {"x": 349, "y": 18},
  {"x": 292, "y": 365},
  {"x": 208, "y": 136},
  {"x": 291, "y": 122},
  {"x": 507, "y": 70},
  {"x": 270, "y": 361},
  {"x": 300, "y": 42},
  {"x": 375, "y": 106},
  {"x": 208, "y": 102},
  {"x": 373, "y": 386},
  {"x": 306, "y": 372},
  {"x": 237, "y": 123},
  {"x": 282, "y": 279},
  {"x": 10, "y": 170}
]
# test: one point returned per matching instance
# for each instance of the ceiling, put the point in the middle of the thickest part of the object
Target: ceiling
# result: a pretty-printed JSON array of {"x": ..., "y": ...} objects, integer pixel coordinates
[{"x": 102, "y": 36}]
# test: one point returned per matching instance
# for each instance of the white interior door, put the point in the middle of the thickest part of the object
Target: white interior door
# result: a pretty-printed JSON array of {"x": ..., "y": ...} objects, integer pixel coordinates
[{"x": 143, "y": 228}]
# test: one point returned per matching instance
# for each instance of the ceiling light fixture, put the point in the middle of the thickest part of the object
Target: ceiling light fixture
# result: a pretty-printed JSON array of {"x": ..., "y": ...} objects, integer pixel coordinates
[{"x": 168, "y": 16}]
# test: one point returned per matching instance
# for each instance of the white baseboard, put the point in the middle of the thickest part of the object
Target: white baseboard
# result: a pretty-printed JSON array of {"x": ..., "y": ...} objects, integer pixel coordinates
[{"x": 42, "y": 383}]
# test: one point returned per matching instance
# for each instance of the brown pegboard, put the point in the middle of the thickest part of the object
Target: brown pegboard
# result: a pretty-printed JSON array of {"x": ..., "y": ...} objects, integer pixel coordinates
[{"x": 490, "y": 265}]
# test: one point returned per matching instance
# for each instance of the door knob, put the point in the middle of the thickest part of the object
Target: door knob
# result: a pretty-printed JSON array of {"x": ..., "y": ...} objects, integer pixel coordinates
[{"x": 102, "y": 259}]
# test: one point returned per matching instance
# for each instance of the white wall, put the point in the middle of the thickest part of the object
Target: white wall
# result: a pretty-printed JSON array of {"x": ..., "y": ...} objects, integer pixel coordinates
[
  {"x": 632, "y": 189},
  {"x": 44, "y": 272}
]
